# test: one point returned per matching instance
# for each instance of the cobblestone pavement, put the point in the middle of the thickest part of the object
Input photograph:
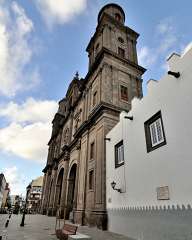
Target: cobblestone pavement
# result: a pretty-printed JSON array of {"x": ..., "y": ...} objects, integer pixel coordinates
[{"x": 38, "y": 227}]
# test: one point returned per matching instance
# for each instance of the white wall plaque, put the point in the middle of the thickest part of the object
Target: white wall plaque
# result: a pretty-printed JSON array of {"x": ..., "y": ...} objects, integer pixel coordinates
[
  {"x": 109, "y": 200},
  {"x": 163, "y": 193}
]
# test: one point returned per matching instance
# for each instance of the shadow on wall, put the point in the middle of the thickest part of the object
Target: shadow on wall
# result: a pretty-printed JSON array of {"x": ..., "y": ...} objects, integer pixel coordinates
[{"x": 151, "y": 224}]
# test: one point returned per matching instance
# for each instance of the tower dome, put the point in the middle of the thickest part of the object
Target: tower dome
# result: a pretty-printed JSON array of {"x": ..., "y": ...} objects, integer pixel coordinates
[{"x": 114, "y": 10}]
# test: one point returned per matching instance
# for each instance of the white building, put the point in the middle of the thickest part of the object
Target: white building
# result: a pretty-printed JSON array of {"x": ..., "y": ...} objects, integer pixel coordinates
[
  {"x": 149, "y": 160},
  {"x": 34, "y": 194}
]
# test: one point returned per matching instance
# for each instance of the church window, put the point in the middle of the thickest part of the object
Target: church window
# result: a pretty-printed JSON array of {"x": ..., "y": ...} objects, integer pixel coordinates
[
  {"x": 118, "y": 17},
  {"x": 119, "y": 154},
  {"x": 120, "y": 39},
  {"x": 124, "y": 93},
  {"x": 121, "y": 52},
  {"x": 154, "y": 132},
  {"x": 94, "y": 98},
  {"x": 91, "y": 180},
  {"x": 92, "y": 150}
]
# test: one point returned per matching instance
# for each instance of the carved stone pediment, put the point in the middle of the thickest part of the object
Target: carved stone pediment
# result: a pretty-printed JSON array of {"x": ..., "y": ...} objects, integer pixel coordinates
[{"x": 74, "y": 90}]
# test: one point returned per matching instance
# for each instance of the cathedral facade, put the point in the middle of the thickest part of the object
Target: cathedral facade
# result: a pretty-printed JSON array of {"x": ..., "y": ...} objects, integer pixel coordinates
[{"x": 75, "y": 173}]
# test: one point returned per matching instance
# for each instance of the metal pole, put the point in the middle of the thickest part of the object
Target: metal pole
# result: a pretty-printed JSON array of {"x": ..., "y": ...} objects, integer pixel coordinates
[
  {"x": 24, "y": 211},
  {"x": 23, "y": 218}
]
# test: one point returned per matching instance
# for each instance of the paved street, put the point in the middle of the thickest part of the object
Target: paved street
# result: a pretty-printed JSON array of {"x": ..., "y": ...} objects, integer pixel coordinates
[{"x": 38, "y": 227}]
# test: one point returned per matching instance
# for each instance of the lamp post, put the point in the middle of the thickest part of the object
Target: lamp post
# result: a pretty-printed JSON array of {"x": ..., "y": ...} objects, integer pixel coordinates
[
  {"x": 113, "y": 184},
  {"x": 175, "y": 74},
  {"x": 23, "y": 217},
  {"x": 25, "y": 207}
]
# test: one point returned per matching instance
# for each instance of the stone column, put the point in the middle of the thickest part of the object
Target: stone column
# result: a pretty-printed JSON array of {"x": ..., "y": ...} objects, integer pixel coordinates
[
  {"x": 63, "y": 201},
  {"x": 47, "y": 192},
  {"x": 43, "y": 194},
  {"x": 52, "y": 201},
  {"x": 78, "y": 147}
]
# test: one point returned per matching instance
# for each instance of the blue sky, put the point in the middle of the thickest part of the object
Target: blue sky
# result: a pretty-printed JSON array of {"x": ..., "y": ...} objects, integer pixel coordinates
[{"x": 42, "y": 45}]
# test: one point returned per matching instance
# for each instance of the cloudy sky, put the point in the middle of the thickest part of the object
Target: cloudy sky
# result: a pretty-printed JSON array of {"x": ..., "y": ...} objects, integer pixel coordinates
[{"x": 42, "y": 45}]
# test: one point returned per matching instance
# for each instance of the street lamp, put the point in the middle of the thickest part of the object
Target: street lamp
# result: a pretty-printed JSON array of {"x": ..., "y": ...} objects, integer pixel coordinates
[
  {"x": 113, "y": 184},
  {"x": 25, "y": 207},
  {"x": 129, "y": 117},
  {"x": 23, "y": 218},
  {"x": 175, "y": 74}
]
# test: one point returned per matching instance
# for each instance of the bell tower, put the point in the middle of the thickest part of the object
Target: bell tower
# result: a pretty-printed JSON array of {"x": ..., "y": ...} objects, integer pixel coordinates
[
  {"x": 112, "y": 34},
  {"x": 114, "y": 45}
]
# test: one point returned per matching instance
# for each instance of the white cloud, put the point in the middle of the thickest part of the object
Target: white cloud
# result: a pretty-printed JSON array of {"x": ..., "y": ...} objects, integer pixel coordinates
[
  {"x": 29, "y": 131},
  {"x": 30, "y": 111},
  {"x": 60, "y": 11},
  {"x": 166, "y": 40},
  {"x": 16, "y": 51},
  {"x": 16, "y": 180},
  {"x": 146, "y": 56},
  {"x": 165, "y": 26},
  {"x": 28, "y": 142},
  {"x": 167, "y": 35}
]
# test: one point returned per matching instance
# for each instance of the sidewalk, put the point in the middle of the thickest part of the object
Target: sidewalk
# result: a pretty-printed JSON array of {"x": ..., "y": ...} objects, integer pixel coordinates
[
  {"x": 36, "y": 227},
  {"x": 39, "y": 227}
]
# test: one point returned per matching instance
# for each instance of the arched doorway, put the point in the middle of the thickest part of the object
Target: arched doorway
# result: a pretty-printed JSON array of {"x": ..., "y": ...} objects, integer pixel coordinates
[
  {"x": 71, "y": 191},
  {"x": 59, "y": 186}
]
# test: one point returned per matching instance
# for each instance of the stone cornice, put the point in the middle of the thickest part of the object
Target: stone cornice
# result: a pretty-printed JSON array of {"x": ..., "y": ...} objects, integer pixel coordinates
[
  {"x": 47, "y": 167},
  {"x": 95, "y": 114},
  {"x": 101, "y": 55},
  {"x": 128, "y": 62}
]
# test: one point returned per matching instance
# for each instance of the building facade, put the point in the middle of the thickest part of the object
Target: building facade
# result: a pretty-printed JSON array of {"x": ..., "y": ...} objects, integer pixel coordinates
[
  {"x": 34, "y": 194},
  {"x": 6, "y": 198},
  {"x": 75, "y": 173},
  {"x": 2, "y": 188},
  {"x": 149, "y": 188},
  {"x": 16, "y": 203}
]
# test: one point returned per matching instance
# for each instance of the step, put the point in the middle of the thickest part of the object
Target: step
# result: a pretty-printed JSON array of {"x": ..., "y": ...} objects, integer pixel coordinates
[{"x": 79, "y": 236}]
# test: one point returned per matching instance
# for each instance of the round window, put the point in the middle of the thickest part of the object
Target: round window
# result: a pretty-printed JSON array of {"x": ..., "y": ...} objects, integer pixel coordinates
[{"x": 120, "y": 39}]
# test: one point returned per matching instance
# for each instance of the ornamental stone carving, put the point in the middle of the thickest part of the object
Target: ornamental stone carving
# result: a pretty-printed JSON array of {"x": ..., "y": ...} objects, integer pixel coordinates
[
  {"x": 66, "y": 137},
  {"x": 66, "y": 156}
]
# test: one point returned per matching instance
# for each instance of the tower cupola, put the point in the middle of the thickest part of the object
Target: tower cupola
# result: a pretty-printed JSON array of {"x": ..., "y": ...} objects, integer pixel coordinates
[{"x": 114, "y": 11}]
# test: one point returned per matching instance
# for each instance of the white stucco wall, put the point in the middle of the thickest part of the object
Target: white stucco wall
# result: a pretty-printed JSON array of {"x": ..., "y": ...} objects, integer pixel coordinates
[{"x": 169, "y": 165}]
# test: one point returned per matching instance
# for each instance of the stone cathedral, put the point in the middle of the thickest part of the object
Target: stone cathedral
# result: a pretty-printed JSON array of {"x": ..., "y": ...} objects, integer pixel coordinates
[{"x": 75, "y": 173}]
